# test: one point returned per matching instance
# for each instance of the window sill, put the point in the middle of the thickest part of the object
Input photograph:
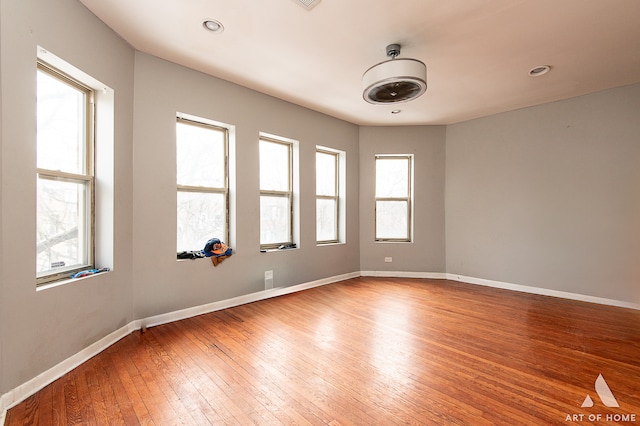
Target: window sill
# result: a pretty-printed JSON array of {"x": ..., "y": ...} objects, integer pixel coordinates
[
  {"x": 191, "y": 260},
  {"x": 277, "y": 250},
  {"x": 330, "y": 244},
  {"x": 64, "y": 281}
]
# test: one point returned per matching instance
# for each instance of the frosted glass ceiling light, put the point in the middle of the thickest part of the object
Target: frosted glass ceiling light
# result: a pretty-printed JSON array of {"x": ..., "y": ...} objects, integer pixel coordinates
[{"x": 395, "y": 80}]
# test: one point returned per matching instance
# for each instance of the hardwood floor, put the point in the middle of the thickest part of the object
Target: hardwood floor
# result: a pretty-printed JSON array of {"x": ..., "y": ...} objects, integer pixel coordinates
[{"x": 364, "y": 351}]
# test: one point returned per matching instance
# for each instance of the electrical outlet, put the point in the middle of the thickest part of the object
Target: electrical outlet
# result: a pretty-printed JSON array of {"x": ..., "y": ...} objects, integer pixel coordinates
[{"x": 388, "y": 259}]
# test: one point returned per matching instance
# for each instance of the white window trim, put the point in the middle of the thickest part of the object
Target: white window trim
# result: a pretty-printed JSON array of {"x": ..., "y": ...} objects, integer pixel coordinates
[
  {"x": 340, "y": 195},
  {"x": 292, "y": 193},
  {"x": 209, "y": 124},
  {"x": 408, "y": 199},
  {"x": 86, "y": 178},
  {"x": 102, "y": 155}
]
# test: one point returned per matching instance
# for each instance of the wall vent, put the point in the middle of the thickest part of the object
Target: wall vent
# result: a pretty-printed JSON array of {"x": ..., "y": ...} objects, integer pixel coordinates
[
  {"x": 307, "y": 4},
  {"x": 268, "y": 280}
]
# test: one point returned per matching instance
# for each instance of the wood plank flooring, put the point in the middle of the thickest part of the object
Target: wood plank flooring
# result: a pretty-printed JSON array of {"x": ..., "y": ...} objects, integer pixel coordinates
[{"x": 366, "y": 351}]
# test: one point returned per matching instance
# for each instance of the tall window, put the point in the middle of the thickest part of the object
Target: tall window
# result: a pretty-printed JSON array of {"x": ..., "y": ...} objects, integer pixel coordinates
[
  {"x": 327, "y": 196},
  {"x": 202, "y": 180},
  {"x": 276, "y": 193},
  {"x": 393, "y": 197},
  {"x": 65, "y": 181}
]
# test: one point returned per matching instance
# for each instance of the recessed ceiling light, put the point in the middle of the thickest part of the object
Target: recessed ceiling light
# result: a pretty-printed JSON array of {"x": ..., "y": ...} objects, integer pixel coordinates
[
  {"x": 396, "y": 111},
  {"x": 212, "y": 25},
  {"x": 539, "y": 70}
]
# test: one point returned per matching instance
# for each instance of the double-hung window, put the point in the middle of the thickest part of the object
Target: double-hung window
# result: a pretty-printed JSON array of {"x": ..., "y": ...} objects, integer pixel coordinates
[
  {"x": 65, "y": 175},
  {"x": 202, "y": 183},
  {"x": 327, "y": 196},
  {"x": 393, "y": 197},
  {"x": 276, "y": 193}
]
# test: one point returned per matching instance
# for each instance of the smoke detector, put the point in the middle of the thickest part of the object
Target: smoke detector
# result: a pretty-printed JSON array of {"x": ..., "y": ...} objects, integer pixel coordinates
[
  {"x": 396, "y": 80},
  {"x": 307, "y": 4}
]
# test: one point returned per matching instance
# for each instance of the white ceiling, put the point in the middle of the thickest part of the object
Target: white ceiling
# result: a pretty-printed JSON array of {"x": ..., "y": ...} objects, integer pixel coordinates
[{"x": 478, "y": 52}]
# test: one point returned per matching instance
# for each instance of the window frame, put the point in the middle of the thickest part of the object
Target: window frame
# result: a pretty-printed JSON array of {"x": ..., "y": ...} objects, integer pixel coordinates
[
  {"x": 289, "y": 194},
  {"x": 201, "y": 122},
  {"x": 87, "y": 178},
  {"x": 408, "y": 199},
  {"x": 335, "y": 197}
]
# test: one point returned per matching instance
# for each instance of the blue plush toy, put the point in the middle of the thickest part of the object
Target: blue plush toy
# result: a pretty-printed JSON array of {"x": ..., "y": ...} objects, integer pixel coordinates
[{"x": 216, "y": 250}]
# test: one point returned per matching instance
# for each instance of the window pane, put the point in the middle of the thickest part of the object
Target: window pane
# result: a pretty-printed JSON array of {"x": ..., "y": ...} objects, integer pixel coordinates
[
  {"x": 391, "y": 219},
  {"x": 61, "y": 130},
  {"x": 200, "y": 156},
  {"x": 201, "y": 216},
  {"x": 275, "y": 217},
  {"x": 326, "y": 225},
  {"x": 62, "y": 225},
  {"x": 325, "y": 174},
  {"x": 392, "y": 177},
  {"x": 274, "y": 166}
]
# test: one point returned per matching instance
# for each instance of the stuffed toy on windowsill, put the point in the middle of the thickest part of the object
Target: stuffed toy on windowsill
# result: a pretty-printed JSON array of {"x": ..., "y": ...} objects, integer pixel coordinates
[{"x": 216, "y": 250}]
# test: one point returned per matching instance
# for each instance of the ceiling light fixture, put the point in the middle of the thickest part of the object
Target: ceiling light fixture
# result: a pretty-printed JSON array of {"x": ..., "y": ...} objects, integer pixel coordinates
[
  {"x": 539, "y": 70},
  {"x": 395, "y": 80},
  {"x": 212, "y": 25}
]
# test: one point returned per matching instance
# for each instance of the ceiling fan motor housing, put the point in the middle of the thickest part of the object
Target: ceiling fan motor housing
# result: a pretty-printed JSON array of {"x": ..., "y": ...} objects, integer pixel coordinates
[{"x": 395, "y": 81}]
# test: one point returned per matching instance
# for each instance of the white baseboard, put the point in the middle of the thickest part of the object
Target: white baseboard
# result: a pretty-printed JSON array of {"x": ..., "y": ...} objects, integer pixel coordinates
[
  {"x": 17, "y": 395},
  {"x": 543, "y": 291},
  {"x": 503, "y": 285},
  {"x": 20, "y": 393},
  {"x": 400, "y": 274},
  {"x": 25, "y": 390},
  {"x": 240, "y": 300}
]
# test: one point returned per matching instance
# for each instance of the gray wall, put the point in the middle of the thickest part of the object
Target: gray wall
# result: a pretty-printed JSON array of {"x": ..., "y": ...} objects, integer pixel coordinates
[
  {"x": 549, "y": 196},
  {"x": 545, "y": 196},
  {"x": 161, "y": 283},
  {"x": 41, "y": 328},
  {"x": 2, "y": 317},
  {"x": 427, "y": 251}
]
